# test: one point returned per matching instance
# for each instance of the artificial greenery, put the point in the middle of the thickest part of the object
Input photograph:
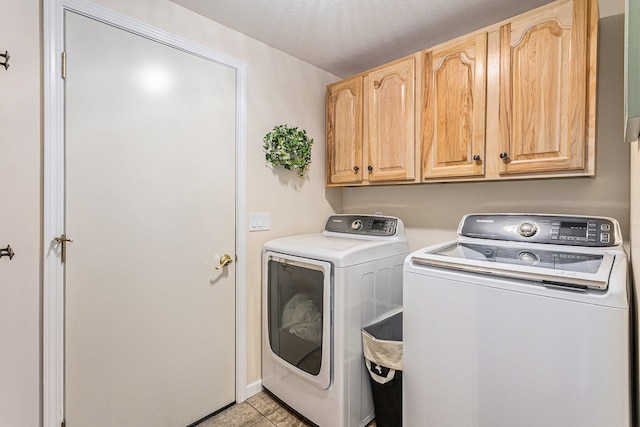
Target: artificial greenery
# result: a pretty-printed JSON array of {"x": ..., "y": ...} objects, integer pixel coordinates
[{"x": 288, "y": 147}]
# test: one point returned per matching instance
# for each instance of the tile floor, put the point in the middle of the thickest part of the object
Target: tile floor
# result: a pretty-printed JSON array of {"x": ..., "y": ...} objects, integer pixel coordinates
[{"x": 260, "y": 410}]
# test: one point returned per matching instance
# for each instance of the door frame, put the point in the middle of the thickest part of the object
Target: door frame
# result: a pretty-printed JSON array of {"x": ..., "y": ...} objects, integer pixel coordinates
[{"x": 54, "y": 197}]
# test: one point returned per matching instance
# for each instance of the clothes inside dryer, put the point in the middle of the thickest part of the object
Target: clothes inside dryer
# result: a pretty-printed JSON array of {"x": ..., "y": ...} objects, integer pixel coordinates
[{"x": 302, "y": 318}]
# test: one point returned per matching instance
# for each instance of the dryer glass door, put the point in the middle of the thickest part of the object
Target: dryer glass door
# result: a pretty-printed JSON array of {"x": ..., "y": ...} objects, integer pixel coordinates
[{"x": 298, "y": 293}]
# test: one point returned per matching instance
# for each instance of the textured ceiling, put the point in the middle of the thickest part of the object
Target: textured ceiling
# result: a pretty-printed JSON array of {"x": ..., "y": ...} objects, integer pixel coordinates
[{"x": 346, "y": 37}]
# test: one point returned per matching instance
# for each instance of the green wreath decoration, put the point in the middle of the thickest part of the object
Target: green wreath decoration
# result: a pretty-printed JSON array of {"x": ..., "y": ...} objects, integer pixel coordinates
[{"x": 288, "y": 147}]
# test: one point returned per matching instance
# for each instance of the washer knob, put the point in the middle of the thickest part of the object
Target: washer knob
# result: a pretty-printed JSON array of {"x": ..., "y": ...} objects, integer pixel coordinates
[
  {"x": 356, "y": 225},
  {"x": 528, "y": 258},
  {"x": 527, "y": 229}
]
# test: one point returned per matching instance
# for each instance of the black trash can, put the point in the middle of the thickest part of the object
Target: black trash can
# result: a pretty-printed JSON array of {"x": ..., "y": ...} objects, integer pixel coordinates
[{"x": 382, "y": 345}]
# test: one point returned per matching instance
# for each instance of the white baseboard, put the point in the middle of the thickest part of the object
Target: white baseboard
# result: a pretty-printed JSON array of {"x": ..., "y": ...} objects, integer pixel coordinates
[{"x": 254, "y": 388}]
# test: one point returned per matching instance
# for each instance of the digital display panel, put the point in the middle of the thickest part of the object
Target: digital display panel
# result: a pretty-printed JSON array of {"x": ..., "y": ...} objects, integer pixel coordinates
[
  {"x": 378, "y": 224},
  {"x": 577, "y": 229}
]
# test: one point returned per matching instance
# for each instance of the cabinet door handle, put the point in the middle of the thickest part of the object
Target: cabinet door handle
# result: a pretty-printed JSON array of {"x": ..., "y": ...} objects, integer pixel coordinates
[
  {"x": 356, "y": 168},
  {"x": 476, "y": 157},
  {"x": 504, "y": 156},
  {"x": 370, "y": 168}
]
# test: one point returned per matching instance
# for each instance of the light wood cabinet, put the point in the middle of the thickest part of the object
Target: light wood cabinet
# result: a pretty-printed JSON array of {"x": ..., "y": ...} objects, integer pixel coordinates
[
  {"x": 453, "y": 108},
  {"x": 510, "y": 101},
  {"x": 371, "y": 126},
  {"x": 391, "y": 122},
  {"x": 547, "y": 80},
  {"x": 344, "y": 131}
]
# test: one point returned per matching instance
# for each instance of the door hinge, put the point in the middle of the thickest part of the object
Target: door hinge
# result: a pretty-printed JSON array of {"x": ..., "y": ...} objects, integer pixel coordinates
[
  {"x": 62, "y": 241},
  {"x": 63, "y": 70}
]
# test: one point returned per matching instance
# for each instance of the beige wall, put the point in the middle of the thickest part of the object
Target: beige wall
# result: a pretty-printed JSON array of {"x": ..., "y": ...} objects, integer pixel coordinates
[
  {"x": 20, "y": 156},
  {"x": 431, "y": 212},
  {"x": 635, "y": 230},
  {"x": 634, "y": 235}
]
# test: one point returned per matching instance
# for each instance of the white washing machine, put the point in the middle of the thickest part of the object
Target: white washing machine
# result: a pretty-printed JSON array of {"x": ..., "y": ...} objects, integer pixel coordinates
[
  {"x": 318, "y": 291},
  {"x": 524, "y": 320}
]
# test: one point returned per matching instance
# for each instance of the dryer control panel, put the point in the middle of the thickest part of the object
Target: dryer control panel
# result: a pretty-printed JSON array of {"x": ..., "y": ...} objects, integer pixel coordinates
[
  {"x": 537, "y": 228},
  {"x": 364, "y": 225}
]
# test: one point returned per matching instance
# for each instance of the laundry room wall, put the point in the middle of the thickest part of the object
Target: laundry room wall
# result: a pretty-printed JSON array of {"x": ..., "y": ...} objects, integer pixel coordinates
[
  {"x": 635, "y": 209},
  {"x": 20, "y": 214},
  {"x": 634, "y": 235},
  {"x": 431, "y": 212}
]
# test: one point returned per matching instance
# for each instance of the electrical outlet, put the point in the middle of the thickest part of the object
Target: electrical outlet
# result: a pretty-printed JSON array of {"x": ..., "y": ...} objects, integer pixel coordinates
[{"x": 259, "y": 221}]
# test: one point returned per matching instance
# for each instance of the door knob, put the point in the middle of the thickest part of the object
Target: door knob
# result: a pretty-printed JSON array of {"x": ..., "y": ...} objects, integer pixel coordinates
[{"x": 224, "y": 261}]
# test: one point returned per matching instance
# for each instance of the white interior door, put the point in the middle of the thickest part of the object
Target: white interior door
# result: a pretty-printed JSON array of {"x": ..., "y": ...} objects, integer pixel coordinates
[{"x": 150, "y": 207}]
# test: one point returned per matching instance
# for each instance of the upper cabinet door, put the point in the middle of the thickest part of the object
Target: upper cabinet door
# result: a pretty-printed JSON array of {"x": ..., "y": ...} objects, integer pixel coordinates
[
  {"x": 453, "y": 108},
  {"x": 545, "y": 89},
  {"x": 344, "y": 132},
  {"x": 391, "y": 121}
]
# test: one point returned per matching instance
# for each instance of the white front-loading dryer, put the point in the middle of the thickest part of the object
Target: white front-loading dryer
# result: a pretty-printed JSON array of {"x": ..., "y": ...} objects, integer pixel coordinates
[{"x": 319, "y": 290}]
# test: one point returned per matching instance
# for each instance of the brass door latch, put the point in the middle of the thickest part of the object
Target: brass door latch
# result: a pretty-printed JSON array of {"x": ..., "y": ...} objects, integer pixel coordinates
[{"x": 224, "y": 261}]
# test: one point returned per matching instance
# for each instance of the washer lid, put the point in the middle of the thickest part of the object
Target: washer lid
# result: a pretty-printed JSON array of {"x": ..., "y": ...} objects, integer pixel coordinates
[{"x": 538, "y": 263}]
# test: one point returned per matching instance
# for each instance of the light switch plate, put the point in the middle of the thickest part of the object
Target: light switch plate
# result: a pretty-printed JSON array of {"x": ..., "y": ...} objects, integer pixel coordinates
[{"x": 259, "y": 221}]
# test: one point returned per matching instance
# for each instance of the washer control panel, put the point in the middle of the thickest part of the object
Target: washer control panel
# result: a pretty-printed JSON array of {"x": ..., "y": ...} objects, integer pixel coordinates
[
  {"x": 367, "y": 225},
  {"x": 534, "y": 228}
]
